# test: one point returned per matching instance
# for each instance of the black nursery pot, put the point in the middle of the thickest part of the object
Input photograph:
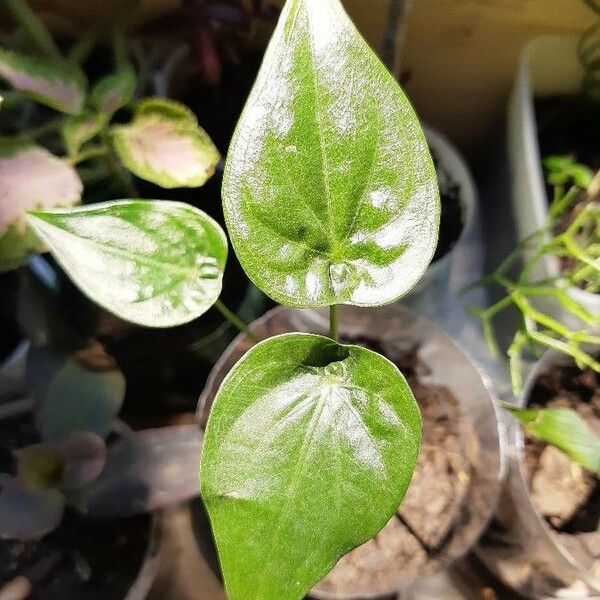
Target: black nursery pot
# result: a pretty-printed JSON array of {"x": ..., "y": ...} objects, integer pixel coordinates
[
  {"x": 461, "y": 467},
  {"x": 83, "y": 559}
]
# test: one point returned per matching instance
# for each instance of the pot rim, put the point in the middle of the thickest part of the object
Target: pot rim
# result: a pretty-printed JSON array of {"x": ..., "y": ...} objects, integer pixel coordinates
[
  {"x": 500, "y": 450},
  {"x": 148, "y": 571},
  {"x": 530, "y": 83},
  {"x": 452, "y": 161},
  {"x": 549, "y": 358}
]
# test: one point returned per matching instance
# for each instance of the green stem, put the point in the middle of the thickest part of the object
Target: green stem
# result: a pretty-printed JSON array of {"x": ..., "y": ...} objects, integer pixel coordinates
[
  {"x": 121, "y": 54},
  {"x": 33, "y": 27},
  {"x": 235, "y": 320},
  {"x": 88, "y": 153},
  {"x": 334, "y": 333},
  {"x": 39, "y": 131},
  {"x": 594, "y": 5},
  {"x": 81, "y": 50}
]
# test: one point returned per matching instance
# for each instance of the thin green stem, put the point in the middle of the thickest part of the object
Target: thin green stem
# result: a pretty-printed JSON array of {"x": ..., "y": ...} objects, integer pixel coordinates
[
  {"x": 88, "y": 154},
  {"x": 334, "y": 332},
  {"x": 35, "y": 29},
  {"x": 82, "y": 49},
  {"x": 120, "y": 51},
  {"x": 235, "y": 320},
  {"x": 40, "y": 131},
  {"x": 594, "y": 5}
]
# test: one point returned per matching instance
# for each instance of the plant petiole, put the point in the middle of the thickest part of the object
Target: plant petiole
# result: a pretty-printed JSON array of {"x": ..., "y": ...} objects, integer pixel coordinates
[
  {"x": 33, "y": 27},
  {"x": 334, "y": 322},
  {"x": 235, "y": 320}
]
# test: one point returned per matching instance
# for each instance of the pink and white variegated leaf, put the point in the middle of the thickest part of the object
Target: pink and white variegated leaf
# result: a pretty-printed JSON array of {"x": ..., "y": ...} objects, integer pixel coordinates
[
  {"x": 165, "y": 145},
  {"x": 59, "y": 85},
  {"x": 30, "y": 178}
]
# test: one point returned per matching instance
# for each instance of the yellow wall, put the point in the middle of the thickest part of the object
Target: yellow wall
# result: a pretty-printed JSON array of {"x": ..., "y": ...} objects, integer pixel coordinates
[{"x": 459, "y": 56}]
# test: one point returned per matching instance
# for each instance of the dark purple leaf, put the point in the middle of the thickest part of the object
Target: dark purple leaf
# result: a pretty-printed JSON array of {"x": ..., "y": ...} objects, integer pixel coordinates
[
  {"x": 27, "y": 514},
  {"x": 84, "y": 454},
  {"x": 145, "y": 471}
]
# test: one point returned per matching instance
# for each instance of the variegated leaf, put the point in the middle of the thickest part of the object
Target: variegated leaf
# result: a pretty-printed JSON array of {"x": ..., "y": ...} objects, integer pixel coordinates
[
  {"x": 114, "y": 91},
  {"x": 165, "y": 145},
  {"x": 59, "y": 85},
  {"x": 30, "y": 177},
  {"x": 77, "y": 130}
]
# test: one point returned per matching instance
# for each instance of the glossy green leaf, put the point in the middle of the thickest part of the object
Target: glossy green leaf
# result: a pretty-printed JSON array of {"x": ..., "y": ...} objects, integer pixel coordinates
[
  {"x": 308, "y": 451},
  {"x": 30, "y": 177},
  {"x": 59, "y": 85},
  {"x": 566, "y": 429},
  {"x": 80, "y": 391},
  {"x": 330, "y": 193},
  {"x": 77, "y": 130},
  {"x": 165, "y": 145},
  {"x": 114, "y": 91},
  {"x": 151, "y": 262}
]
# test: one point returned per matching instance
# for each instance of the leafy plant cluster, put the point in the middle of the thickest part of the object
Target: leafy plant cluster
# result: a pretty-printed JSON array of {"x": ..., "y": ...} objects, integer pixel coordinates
[
  {"x": 102, "y": 133},
  {"x": 330, "y": 197},
  {"x": 575, "y": 237},
  {"x": 83, "y": 459},
  {"x": 572, "y": 236}
]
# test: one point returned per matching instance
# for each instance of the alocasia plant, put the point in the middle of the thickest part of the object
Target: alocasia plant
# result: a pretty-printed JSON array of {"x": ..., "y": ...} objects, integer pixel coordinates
[{"x": 331, "y": 198}]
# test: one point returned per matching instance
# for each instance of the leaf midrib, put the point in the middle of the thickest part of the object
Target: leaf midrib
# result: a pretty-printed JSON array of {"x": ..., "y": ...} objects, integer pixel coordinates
[{"x": 145, "y": 260}]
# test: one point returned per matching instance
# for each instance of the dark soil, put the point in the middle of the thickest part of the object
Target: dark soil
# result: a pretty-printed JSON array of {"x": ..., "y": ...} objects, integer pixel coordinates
[
  {"x": 452, "y": 218},
  {"x": 10, "y": 334},
  {"x": 567, "y": 495},
  {"x": 569, "y": 125},
  {"x": 426, "y": 521},
  {"x": 91, "y": 560}
]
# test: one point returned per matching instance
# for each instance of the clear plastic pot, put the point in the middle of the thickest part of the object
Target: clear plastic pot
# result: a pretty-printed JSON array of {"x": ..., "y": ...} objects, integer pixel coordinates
[
  {"x": 520, "y": 548},
  {"x": 401, "y": 332}
]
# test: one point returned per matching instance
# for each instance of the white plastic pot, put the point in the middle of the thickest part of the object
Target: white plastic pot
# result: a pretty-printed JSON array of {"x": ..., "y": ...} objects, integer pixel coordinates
[
  {"x": 463, "y": 263},
  {"x": 548, "y": 67}
]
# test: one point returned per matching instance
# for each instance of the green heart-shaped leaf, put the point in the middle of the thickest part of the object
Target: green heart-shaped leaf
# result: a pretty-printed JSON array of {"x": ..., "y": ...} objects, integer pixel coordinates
[
  {"x": 165, "y": 145},
  {"x": 151, "y": 262},
  {"x": 77, "y": 130},
  {"x": 60, "y": 85},
  {"x": 30, "y": 177},
  {"x": 308, "y": 452},
  {"x": 114, "y": 91},
  {"x": 566, "y": 429},
  {"x": 330, "y": 193}
]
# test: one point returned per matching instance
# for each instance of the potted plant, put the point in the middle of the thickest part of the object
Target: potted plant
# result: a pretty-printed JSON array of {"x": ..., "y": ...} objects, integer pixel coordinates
[
  {"x": 542, "y": 539},
  {"x": 572, "y": 236},
  {"x": 460, "y": 469},
  {"x": 78, "y": 487},
  {"x": 330, "y": 197},
  {"x": 553, "y": 111},
  {"x": 66, "y": 141}
]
